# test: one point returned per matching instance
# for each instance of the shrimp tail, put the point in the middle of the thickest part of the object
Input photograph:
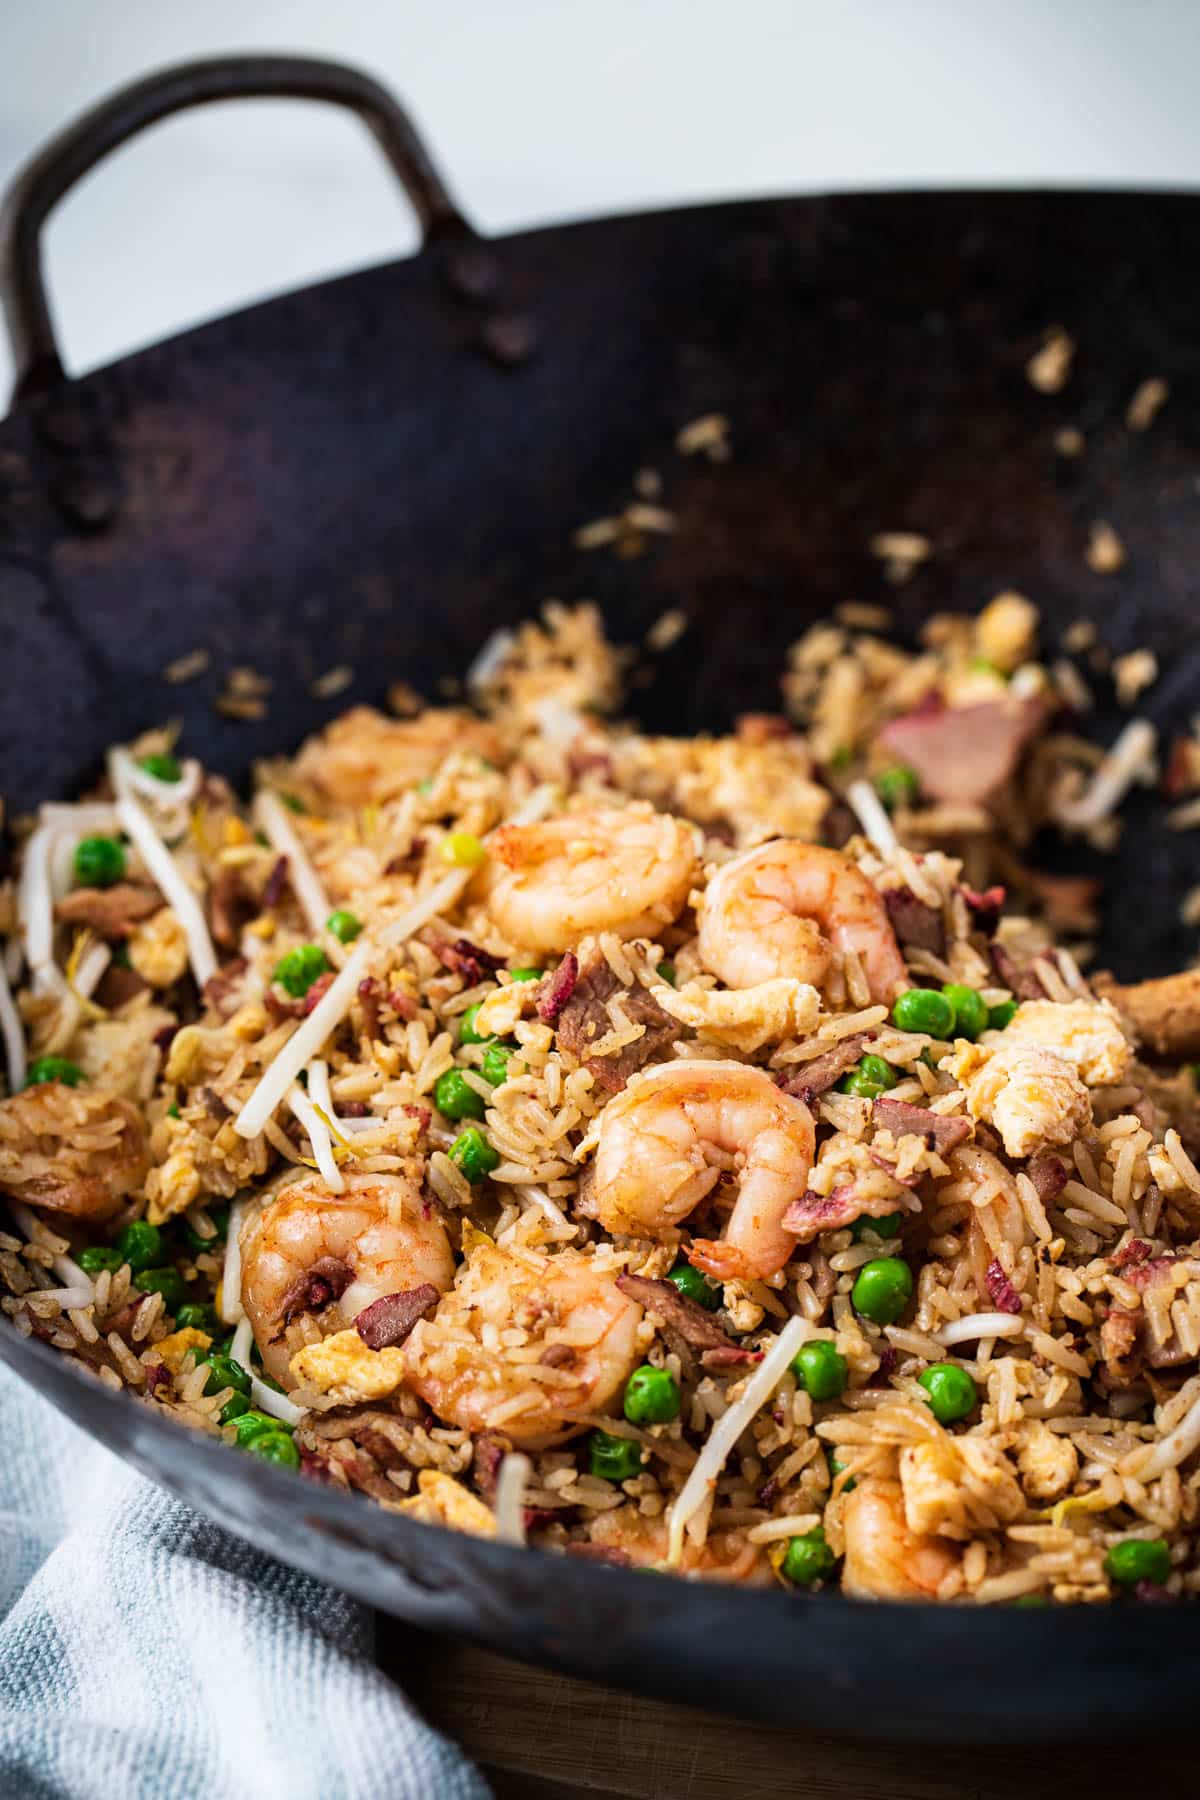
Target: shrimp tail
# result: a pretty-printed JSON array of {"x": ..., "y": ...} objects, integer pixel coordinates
[{"x": 719, "y": 1260}]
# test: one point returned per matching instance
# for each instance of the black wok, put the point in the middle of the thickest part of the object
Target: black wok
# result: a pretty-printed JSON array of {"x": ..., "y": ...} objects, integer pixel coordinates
[{"x": 381, "y": 470}]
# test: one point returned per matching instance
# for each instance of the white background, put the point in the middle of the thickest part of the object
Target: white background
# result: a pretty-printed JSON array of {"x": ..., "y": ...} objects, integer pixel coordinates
[{"x": 540, "y": 110}]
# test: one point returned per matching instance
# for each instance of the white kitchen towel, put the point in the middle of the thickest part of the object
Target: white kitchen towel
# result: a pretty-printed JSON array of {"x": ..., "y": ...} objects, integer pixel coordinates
[{"x": 145, "y": 1654}]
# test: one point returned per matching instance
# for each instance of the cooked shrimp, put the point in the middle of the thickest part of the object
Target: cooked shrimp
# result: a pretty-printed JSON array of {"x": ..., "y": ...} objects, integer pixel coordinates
[
  {"x": 364, "y": 758},
  {"x": 315, "y": 1259},
  {"x": 783, "y": 908},
  {"x": 884, "y": 1559},
  {"x": 523, "y": 1342},
  {"x": 627, "y": 872},
  {"x": 723, "y": 1556},
  {"x": 77, "y": 1151},
  {"x": 667, "y": 1140}
]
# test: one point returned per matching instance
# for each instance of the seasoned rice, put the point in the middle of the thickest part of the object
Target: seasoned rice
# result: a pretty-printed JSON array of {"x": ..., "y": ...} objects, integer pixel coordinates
[{"x": 473, "y": 1099}]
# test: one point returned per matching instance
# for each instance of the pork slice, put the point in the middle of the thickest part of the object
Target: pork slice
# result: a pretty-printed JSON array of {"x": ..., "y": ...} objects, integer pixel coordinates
[
  {"x": 555, "y": 990},
  {"x": 916, "y": 924},
  {"x": 388, "y": 1321},
  {"x": 321, "y": 1284},
  {"x": 941, "y": 1131},
  {"x": 811, "y": 1079},
  {"x": 230, "y": 908},
  {"x": 812, "y": 1214},
  {"x": 1049, "y": 1174},
  {"x": 698, "y": 1329},
  {"x": 584, "y": 1020},
  {"x": 962, "y": 754},
  {"x": 111, "y": 912},
  {"x": 1001, "y": 1292}
]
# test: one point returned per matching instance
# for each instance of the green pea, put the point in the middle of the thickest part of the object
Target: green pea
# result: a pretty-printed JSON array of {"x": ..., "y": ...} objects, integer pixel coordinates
[
  {"x": 455, "y": 1098},
  {"x": 224, "y": 1372},
  {"x": 234, "y": 1407},
  {"x": 651, "y": 1396},
  {"x": 344, "y": 925},
  {"x": 878, "y": 1069},
  {"x": 274, "y": 1447},
  {"x": 467, "y": 1033},
  {"x": 473, "y": 1154},
  {"x": 251, "y": 1424},
  {"x": 666, "y": 972},
  {"x": 887, "y": 1227},
  {"x": 836, "y": 1465},
  {"x": 166, "y": 1281},
  {"x": 140, "y": 1244},
  {"x": 220, "y": 1218},
  {"x": 808, "y": 1558},
  {"x": 297, "y": 971},
  {"x": 821, "y": 1369},
  {"x": 196, "y": 1317},
  {"x": 869, "y": 1078},
  {"x": 120, "y": 957},
  {"x": 923, "y": 1009},
  {"x": 970, "y": 1013},
  {"x": 173, "y": 1110},
  {"x": 53, "y": 1068},
  {"x": 496, "y": 1058},
  {"x": 1138, "y": 1559},
  {"x": 526, "y": 974},
  {"x": 897, "y": 786},
  {"x": 98, "y": 1257},
  {"x": 99, "y": 862},
  {"x": 882, "y": 1289},
  {"x": 1002, "y": 1015},
  {"x": 463, "y": 849},
  {"x": 614, "y": 1458},
  {"x": 294, "y": 803},
  {"x": 163, "y": 768},
  {"x": 695, "y": 1286},
  {"x": 951, "y": 1392}
]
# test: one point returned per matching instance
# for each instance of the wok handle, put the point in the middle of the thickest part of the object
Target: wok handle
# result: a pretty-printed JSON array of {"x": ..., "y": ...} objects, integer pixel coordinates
[{"x": 38, "y": 188}]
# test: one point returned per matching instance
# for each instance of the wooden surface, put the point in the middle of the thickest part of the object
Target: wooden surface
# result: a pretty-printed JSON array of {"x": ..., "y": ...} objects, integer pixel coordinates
[{"x": 539, "y": 1736}]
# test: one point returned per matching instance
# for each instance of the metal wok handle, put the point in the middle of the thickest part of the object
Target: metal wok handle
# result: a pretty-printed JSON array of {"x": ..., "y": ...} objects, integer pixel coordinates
[{"x": 39, "y": 187}]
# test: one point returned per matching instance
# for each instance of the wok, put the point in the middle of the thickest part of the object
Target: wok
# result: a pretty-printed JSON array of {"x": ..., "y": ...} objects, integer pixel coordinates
[{"x": 380, "y": 470}]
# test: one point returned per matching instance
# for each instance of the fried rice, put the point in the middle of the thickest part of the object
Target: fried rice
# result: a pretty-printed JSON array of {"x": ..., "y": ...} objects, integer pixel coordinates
[{"x": 702, "y": 1154}]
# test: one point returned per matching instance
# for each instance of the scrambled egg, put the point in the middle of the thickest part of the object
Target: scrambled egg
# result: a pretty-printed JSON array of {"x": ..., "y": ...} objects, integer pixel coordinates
[
  {"x": 158, "y": 949},
  {"x": 744, "y": 1018},
  {"x": 954, "y": 1487},
  {"x": 172, "y": 1350},
  {"x": 440, "y": 1500},
  {"x": 1086, "y": 1034},
  {"x": 1048, "y": 1463},
  {"x": 500, "y": 1013},
  {"x": 1006, "y": 631},
  {"x": 1030, "y": 1095},
  {"x": 342, "y": 1366}
]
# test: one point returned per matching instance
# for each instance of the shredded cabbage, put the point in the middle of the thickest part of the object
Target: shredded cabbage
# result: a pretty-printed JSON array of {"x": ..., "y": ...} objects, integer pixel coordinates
[
  {"x": 231, "y": 1274},
  {"x": 282, "y": 836},
  {"x": 13, "y": 1035},
  {"x": 511, "y": 1483},
  {"x": 980, "y": 1325},
  {"x": 872, "y": 816},
  {"x": 318, "y": 1137},
  {"x": 336, "y": 1002},
  {"x": 701, "y": 1483}
]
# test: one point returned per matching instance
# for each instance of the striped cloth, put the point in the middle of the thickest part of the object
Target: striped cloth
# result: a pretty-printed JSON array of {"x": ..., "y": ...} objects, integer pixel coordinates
[{"x": 147, "y": 1655}]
